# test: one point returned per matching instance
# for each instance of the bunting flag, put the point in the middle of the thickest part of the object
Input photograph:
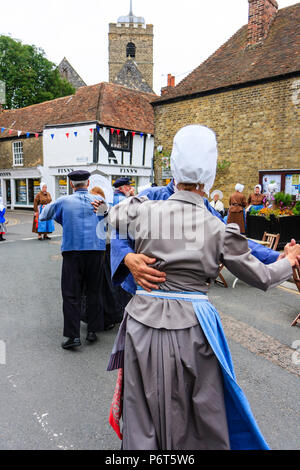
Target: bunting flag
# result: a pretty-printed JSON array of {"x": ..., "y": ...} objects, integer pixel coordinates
[
  {"x": 133, "y": 134},
  {"x": 52, "y": 136},
  {"x": 126, "y": 133},
  {"x": 142, "y": 135},
  {"x": 91, "y": 130},
  {"x": 118, "y": 131},
  {"x": 10, "y": 131},
  {"x": 67, "y": 134},
  {"x": 36, "y": 136},
  {"x": 112, "y": 131},
  {"x": 149, "y": 136},
  {"x": 76, "y": 134}
]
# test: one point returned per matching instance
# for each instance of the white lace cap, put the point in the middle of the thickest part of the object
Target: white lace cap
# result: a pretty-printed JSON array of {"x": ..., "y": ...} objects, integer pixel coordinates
[{"x": 194, "y": 156}]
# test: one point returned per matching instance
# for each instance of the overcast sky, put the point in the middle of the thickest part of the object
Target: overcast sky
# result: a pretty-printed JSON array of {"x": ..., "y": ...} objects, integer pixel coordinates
[{"x": 185, "y": 32}]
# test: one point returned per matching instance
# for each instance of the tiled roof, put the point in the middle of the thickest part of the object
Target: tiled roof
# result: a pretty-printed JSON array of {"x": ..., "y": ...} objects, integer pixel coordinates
[
  {"x": 110, "y": 104},
  {"x": 236, "y": 63}
]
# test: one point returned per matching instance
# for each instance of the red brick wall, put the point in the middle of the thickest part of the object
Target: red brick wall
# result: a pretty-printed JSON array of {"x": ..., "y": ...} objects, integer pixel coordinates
[{"x": 261, "y": 15}]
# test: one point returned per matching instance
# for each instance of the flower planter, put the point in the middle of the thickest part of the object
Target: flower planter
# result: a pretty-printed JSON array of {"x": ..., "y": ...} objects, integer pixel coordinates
[
  {"x": 288, "y": 227},
  {"x": 257, "y": 226}
]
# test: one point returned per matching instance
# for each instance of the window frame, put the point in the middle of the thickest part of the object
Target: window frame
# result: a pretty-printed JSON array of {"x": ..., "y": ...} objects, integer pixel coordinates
[
  {"x": 123, "y": 137},
  {"x": 17, "y": 160}
]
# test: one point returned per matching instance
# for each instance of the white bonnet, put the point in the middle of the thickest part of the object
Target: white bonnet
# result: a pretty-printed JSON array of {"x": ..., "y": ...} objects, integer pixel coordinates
[
  {"x": 239, "y": 187},
  {"x": 217, "y": 191},
  {"x": 194, "y": 156}
]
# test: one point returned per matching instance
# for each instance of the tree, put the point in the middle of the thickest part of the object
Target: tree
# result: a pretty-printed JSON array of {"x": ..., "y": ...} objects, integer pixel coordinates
[{"x": 29, "y": 76}]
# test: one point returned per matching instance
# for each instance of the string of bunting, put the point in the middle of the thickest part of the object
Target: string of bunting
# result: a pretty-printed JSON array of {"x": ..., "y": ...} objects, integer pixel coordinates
[
  {"x": 112, "y": 131},
  {"x": 28, "y": 134},
  {"x": 75, "y": 133}
]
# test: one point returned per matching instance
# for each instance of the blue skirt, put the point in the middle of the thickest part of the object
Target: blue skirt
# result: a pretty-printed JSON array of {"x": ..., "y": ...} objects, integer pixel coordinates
[{"x": 47, "y": 226}]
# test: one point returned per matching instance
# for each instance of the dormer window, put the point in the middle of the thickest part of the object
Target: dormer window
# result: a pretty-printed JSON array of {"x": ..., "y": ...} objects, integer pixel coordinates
[{"x": 130, "y": 50}]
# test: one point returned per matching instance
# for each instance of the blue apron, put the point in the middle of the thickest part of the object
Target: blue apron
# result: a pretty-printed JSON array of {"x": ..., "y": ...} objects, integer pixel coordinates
[
  {"x": 244, "y": 433},
  {"x": 46, "y": 226}
]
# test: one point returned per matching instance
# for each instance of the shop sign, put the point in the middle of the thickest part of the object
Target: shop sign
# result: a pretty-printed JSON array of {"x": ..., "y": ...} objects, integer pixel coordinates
[
  {"x": 7, "y": 173},
  {"x": 128, "y": 171},
  {"x": 62, "y": 171}
]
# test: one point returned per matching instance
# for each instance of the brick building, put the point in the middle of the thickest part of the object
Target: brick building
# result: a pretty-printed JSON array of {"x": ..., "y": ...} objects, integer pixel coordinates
[
  {"x": 248, "y": 91},
  {"x": 106, "y": 129}
]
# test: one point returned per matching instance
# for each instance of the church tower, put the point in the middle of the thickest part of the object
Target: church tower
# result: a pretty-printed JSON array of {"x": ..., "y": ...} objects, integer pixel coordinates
[{"x": 131, "y": 52}]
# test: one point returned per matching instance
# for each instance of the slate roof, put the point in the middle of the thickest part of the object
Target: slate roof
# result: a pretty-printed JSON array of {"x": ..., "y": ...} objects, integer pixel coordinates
[
  {"x": 109, "y": 104},
  {"x": 131, "y": 77},
  {"x": 235, "y": 63}
]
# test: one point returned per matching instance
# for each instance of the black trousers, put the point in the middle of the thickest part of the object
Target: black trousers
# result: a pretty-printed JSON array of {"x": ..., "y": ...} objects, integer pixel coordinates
[
  {"x": 112, "y": 299},
  {"x": 80, "y": 268}
]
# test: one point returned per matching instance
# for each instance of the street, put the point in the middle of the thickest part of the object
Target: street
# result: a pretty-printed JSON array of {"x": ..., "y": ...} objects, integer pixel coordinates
[{"x": 55, "y": 399}]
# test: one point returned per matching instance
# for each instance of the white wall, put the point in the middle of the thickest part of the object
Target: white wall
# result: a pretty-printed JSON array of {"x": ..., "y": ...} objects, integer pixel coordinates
[
  {"x": 75, "y": 152},
  {"x": 63, "y": 151}
]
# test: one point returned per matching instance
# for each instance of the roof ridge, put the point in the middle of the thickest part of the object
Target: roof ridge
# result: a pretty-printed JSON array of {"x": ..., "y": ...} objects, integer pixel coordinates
[{"x": 129, "y": 89}]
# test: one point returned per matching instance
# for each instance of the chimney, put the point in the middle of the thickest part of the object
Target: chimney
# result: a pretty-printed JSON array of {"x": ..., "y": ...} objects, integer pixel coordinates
[
  {"x": 171, "y": 84},
  {"x": 261, "y": 16}
]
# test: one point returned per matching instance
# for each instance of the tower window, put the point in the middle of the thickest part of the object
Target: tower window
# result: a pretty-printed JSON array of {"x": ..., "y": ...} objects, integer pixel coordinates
[{"x": 130, "y": 50}]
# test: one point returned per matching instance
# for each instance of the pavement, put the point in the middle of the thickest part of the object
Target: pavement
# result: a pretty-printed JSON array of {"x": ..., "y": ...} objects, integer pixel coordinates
[{"x": 55, "y": 399}]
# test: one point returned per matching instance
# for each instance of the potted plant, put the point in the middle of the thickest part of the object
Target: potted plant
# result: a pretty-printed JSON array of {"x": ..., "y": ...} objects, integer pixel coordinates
[{"x": 282, "y": 216}]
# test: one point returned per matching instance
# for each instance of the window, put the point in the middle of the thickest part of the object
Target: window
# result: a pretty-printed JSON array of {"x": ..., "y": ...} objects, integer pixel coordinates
[
  {"x": 121, "y": 141},
  {"x": 130, "y": 50},
  {"x": 21, "y": 192},
  {"x": 18, "y": 153}
]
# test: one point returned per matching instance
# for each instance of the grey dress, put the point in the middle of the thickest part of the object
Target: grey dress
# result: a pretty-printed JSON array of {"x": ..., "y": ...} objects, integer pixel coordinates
[{"x": 173, "y": 385}]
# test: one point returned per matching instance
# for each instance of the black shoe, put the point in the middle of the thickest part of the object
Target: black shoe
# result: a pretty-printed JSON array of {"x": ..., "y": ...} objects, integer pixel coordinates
[
  {"x": 109, "y": 327},
  {"x": 91, "y": 337},
  {"x": 71, "y": 343}
]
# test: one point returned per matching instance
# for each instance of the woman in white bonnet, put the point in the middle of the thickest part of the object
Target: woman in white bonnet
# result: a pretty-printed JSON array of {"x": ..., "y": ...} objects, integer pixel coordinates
[
  {"x": 179, "y": 386},
  {"x": 41, "y": 200},
  {"x": 216, "y": 201},
  {"x": 2, "y": 220},
  {"x": 237, "y": 204}
]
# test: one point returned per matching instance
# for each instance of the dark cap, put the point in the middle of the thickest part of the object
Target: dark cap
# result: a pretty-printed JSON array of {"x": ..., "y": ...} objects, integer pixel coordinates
[
  {"x": 122, "y": 182},
  {"x": 79, "y": 175}
]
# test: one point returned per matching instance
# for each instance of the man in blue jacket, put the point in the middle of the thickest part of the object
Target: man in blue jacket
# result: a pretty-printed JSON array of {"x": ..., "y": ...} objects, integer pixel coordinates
[
  {"x": 129, "y": 268},
  {"x": 83, "y": 248}
]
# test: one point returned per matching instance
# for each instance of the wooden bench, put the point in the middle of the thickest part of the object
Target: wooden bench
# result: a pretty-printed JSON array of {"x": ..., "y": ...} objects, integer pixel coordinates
[{"x": 296, "y": 275}]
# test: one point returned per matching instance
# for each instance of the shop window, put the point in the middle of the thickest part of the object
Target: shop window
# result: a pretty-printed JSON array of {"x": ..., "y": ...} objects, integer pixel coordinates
[
  {"x": 120, "y": 142},
  {"x": 130, "y": 50},
  {"x": 21, "y": 192},
  {"x": 18, "y": 153},
  {"x": 33, "y": 189}
]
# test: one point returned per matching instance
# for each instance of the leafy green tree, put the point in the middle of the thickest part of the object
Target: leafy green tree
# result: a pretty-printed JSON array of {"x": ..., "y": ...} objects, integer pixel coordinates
[{"x": 29, "y": 77}]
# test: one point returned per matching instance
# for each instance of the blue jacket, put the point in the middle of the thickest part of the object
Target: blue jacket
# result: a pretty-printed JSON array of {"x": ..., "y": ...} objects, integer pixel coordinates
[
  {"x": 83, "y": 230},
  {"x": 118, "y": 197},
  {"x": 120, "y": 247},
  {"x": 2, "y": 218}
]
